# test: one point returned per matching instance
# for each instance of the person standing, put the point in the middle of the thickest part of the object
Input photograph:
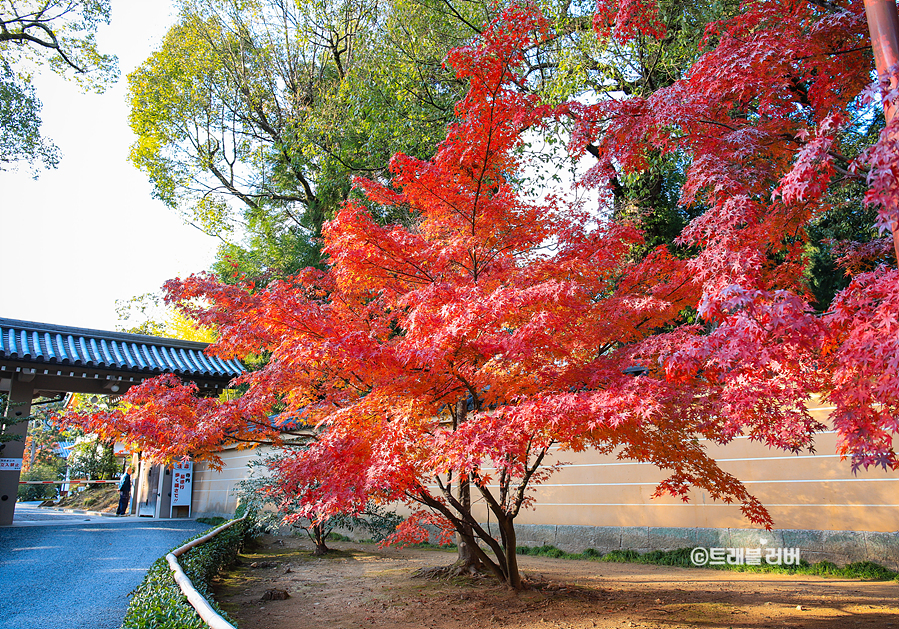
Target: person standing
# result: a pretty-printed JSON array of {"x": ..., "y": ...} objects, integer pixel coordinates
[{"x": 124, "y": 491}]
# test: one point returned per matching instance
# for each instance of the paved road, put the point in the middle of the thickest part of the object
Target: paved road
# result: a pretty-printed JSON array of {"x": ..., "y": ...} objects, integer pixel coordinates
[{"x": 69, "y": 571}]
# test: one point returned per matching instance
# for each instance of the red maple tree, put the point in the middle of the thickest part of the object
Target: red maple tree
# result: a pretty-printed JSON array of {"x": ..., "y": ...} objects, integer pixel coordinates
[
  {"x": 763, "y": 117},
  {"x": 442, "y": 358}
]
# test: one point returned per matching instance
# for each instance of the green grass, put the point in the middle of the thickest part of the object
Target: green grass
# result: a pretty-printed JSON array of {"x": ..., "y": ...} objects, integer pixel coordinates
[
  {"x": 867, "y": 570},
  {"x": 430, "y": 546},
  {"x": 337, "y": 537},
  {"x": 216, "y": 521}
]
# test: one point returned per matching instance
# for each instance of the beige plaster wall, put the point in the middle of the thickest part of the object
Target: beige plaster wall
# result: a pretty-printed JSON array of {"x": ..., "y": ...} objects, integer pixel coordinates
[
  {"x": 214, "y": 491},
  {"x": 806, "y": 491}
]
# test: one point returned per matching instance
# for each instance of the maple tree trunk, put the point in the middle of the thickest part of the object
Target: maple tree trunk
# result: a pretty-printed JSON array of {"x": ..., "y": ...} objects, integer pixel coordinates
[
  {"x": 513, "y": 576},
  {"x": 318, "y": 536},
  {"x": 471, "y": 557},
  {"x": 467, "y": 559},
  {"x": 468, "y": 532},
  {"x": 505, "y": 568}
]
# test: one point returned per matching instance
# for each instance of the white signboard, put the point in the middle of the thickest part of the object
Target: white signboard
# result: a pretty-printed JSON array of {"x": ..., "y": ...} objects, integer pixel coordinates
[
  {"x": 182, "y": 480},
  {"x": 10, "y": 465}
]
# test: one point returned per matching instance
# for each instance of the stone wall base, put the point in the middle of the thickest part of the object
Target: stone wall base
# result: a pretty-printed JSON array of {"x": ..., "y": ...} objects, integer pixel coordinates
[{"x": 839, "y": 547}]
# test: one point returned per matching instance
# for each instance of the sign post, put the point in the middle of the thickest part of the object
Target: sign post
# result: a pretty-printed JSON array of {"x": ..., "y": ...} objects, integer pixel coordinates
[{"x": 182, "y": 486}]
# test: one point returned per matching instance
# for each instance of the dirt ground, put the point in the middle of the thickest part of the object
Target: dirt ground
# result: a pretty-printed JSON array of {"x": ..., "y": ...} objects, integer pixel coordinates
[{"x": 363, "y": 586}]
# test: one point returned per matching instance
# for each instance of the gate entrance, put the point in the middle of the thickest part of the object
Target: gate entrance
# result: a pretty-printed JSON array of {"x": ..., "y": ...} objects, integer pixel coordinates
[{"x": 44, "y": 360}]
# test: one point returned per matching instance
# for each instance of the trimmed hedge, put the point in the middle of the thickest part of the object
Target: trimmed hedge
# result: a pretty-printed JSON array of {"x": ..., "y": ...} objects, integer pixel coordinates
[{"x": 158, "y": 603}]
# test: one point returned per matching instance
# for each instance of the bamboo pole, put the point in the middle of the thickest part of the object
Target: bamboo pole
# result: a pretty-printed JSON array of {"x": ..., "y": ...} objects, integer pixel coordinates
[{"x": 204, "y": 609}]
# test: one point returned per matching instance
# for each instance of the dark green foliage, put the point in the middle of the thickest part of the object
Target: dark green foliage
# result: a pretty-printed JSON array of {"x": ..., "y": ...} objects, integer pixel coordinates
[
  {"x": 551, "y": 551},
  {"x": 337, "y": 537},
  {"x": 848, "y": 218},
  {"x": 679, "y": 557},
  {"x": 39, "y": 492},
  {"x": 6, "y": 437},
  {"x": 622, "y": 556},
  {"x": 94, "y": 460},
  {"x": 429, "y": 545},
  {"x": 544, "y": 551},
  {"x": 379, "y": 522},
  {"x": 158, "y": 603},
  {"x": 216, "y": 521},
  {"x": 826, "y": 569},
  {"x": 869, "y": 570}
]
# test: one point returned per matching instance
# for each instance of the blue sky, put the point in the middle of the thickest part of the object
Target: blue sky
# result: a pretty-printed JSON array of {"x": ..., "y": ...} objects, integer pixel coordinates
[{"x": 88, "y": 233}]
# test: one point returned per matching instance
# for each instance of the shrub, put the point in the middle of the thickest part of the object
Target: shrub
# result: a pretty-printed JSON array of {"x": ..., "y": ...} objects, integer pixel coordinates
[
  {"x": 622, "y": 556},
  {"x": 868, "y": 570},
  {"x": 679, "y": 557},
  {"x": 337, "y": 537},
  {"x": 550, "y": 551},
  {"x": 158, "y": 603},
  {"x": 682, "y": 557}
]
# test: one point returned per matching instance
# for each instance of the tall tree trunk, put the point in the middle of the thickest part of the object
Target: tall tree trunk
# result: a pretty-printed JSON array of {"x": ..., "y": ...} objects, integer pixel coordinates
[
  {"x": 318, "y": 536},
  {"x": 467, "y": 560},
  {"x": 513, "y": 576}
]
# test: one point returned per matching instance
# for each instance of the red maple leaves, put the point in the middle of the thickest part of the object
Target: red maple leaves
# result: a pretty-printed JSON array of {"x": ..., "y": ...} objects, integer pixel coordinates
[{"x": 760, "y": 115}]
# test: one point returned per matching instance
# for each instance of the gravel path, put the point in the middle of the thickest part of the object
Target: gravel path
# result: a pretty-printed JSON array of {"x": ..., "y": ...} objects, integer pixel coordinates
[{"x": 71, "y": 571}]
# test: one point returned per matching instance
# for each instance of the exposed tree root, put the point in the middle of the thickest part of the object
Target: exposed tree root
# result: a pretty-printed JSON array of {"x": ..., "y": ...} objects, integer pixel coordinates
[{"x": 452, "y": 571}]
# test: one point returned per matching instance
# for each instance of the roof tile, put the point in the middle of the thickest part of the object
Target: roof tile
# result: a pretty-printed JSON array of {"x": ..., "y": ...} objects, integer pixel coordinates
[{"x": 46, "y": 343}]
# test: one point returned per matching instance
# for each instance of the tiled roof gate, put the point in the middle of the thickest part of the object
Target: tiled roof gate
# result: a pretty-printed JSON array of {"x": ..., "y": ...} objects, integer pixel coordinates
[
  {"x": 43, "y": 360},
  {"x": 61, "y": 358}
]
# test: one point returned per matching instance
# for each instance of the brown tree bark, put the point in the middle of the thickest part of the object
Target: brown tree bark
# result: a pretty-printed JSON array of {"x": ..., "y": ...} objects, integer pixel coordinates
[{"x": 318, "y": 537}]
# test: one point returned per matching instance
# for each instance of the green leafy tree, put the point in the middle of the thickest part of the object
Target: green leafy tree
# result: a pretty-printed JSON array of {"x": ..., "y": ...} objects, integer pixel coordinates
[
  {"x": 42, "y": 460},
  {"x": 252, "y": 117},
  {"x": 43, "y": 437},
  {"x": 93, "y": 459},
  {"x": 9, "y": 420},
  {"x": 34, "y": 34},
  {"x": 20, "y": 125}
]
